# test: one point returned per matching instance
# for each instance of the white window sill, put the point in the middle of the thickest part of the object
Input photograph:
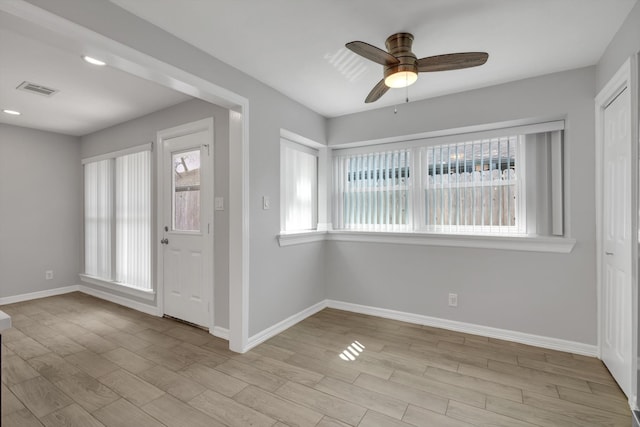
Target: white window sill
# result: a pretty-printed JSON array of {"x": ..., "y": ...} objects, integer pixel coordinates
[
  {"x": 119, "y": 287},
  {"x": 512, "y": 243},
  {"x": 301, "y": 237}
]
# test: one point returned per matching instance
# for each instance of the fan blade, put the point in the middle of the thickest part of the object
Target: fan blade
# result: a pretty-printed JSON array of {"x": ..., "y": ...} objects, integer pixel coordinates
[
  {"x": 452, "y": 61},
  {"x": 372, "y": 53},
  {"x": 377, "y": 91}
]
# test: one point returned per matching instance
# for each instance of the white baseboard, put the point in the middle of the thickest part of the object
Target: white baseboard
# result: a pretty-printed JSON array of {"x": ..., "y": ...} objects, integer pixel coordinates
[
  {"x": 40, "y": 294},
  {"x": 469, "y": 328},
  {"x": 220, "y": 332},
  {"x": 274, "y": 330},
  {"x": 260, "y": 337},
  {"x": 126, "y": 302}
]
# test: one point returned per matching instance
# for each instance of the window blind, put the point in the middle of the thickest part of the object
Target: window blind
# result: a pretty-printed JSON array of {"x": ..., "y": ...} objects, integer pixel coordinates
[
  {"x": 299, "y": 182},
  {"x": 471, "y": 186},
  {"x": 133, "y": 217},
  {"x": 371, "y": 191},
  {"x": 98, "y": 207},
  {"x": 117, "y": 226}
]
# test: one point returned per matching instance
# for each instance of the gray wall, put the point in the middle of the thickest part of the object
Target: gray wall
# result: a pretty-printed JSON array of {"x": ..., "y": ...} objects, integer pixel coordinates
[
  {"x": 40, "y": 193},
  {"x": 144, "y": 130},
  {"x": 277, "y": 287},
  {"x": 552, "y": 295},
  {"x": 625, "y": 43}
]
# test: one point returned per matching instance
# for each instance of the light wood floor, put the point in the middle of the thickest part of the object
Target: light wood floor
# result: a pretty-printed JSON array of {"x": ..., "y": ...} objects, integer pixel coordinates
[{"x": 74, "y": 360}]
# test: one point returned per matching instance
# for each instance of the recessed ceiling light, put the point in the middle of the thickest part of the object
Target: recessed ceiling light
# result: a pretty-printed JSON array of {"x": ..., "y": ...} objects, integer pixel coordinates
[
  {"x": 12, "y": 112},
  {"x": 93, "y": 61}
]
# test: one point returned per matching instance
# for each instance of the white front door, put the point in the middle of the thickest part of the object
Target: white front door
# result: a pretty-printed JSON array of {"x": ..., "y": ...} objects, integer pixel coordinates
[
  {"x": 617, "y": 291},
  {"x": 186, "y": 222}
]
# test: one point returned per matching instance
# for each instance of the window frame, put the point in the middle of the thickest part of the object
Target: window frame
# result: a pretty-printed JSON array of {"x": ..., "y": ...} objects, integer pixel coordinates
[
  {"x": 520, "y": 227},
  {"x": 285, "y": 145},
  {"x": 111, "y": 283},
  {"x": 559, "y": 241}
]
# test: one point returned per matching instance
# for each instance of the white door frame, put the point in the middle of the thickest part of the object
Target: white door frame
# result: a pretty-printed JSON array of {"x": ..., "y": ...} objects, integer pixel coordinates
[
  {"x": 626, "y": 77},
  {"x": 140, "y": 64},
  {"x": 204, "y": 125}
]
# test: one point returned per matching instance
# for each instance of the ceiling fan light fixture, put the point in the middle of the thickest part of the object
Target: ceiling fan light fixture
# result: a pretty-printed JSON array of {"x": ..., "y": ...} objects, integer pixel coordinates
[
  {"x": 401, "y": 79},
  {"x": 93, "y": 61}
]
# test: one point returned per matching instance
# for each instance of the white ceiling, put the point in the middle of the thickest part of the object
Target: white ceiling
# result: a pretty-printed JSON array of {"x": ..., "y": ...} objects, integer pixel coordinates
[
  {"x": 89, "y": 99},
  {"x": 297, "y": 47}
]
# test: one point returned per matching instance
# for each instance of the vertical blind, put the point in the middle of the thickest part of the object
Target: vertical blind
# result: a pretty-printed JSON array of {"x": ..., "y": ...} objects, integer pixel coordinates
[
  {"x": 371, "y": 191},
  {"x": 133, "y": 217},
  {"x": 117, "y": 198},
  {"x": 471, "y": 186},
  {"x": 98, "y": 207},
  {"x": 299, "y": 186}
]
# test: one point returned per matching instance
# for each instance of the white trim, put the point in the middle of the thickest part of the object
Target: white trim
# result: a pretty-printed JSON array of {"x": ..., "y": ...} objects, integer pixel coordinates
[
  {"x": 563, "y": 245},
  {"x": 299, "y": 139},
  {"x": 279, "y": 327},
  {"x": 470, "y": 328},
  {"x": 512, "y": 243},
  {"x": 448, "y": 136},
  {"x": 239, "y": 237},
  {"x": 625, "y": 78},
  {"x": 125, "y": 302},
  {"x": 119, "y": 287},
  {"x": 219, "y": 332},
  {"x": 301, "y": 237},
  {"x": 39, "y": 294},
  {"x": 114, "y": 154}
]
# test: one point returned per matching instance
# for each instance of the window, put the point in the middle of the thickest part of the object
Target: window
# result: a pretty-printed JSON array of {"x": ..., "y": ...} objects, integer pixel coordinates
[
  {"x": 473, "y": 186},
  {"x": 373, "y": 190},
  {"x": 299, "y": 187},
  {"x": 117, "y": 226},
  {"x": 186, "y": 191},
  {"x": 490, "y": 183}
]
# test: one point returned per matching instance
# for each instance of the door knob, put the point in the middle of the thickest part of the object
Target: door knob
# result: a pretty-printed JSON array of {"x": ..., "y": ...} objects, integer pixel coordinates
[{"x": 164, "y": 241}]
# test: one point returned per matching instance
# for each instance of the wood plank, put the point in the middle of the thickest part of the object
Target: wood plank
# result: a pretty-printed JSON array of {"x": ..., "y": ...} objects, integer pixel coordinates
[
  {"x": 363, "y": 397},
  {"x": 284, "y": 410},
  {"x": 322, "y": 402},
  {"x": 132, "y": 388},
  {"x": 580, "y": 413},
  {"x": 228, "y": 411},
  {"x": 474, "y": 383},
  {"x": 40, "y": 396},
  {"x": 421, "y": 417},
  {"x": 122, "y": 413},
  {"x": 71, "y": 416},
  {"x": 213, "y": 379},
  {"x": 508, "y": 380},
  {"x": 412, "y": 396},
  {"x": 537, "y": 376},
  {"x": 86, "y": 391},
  {"x": 448, "y": 391},
  {"x": 478, "y": 416},
  {"x": 175, "y": 413},
  {"x": 179, "y": 386}
]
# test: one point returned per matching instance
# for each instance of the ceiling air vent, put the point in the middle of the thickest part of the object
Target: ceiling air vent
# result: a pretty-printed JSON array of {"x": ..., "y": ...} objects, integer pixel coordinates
[{"x": 38, "y": 89}]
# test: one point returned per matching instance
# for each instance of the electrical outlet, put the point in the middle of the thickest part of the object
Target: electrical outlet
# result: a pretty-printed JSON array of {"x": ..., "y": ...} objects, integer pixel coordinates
[
  {"x": 453, "y": 300},
  {"x": 48, "y": 275}
]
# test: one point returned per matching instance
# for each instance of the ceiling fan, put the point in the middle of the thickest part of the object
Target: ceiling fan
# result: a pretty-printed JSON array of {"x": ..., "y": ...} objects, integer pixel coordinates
[{"x": 401, "y": 66}]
